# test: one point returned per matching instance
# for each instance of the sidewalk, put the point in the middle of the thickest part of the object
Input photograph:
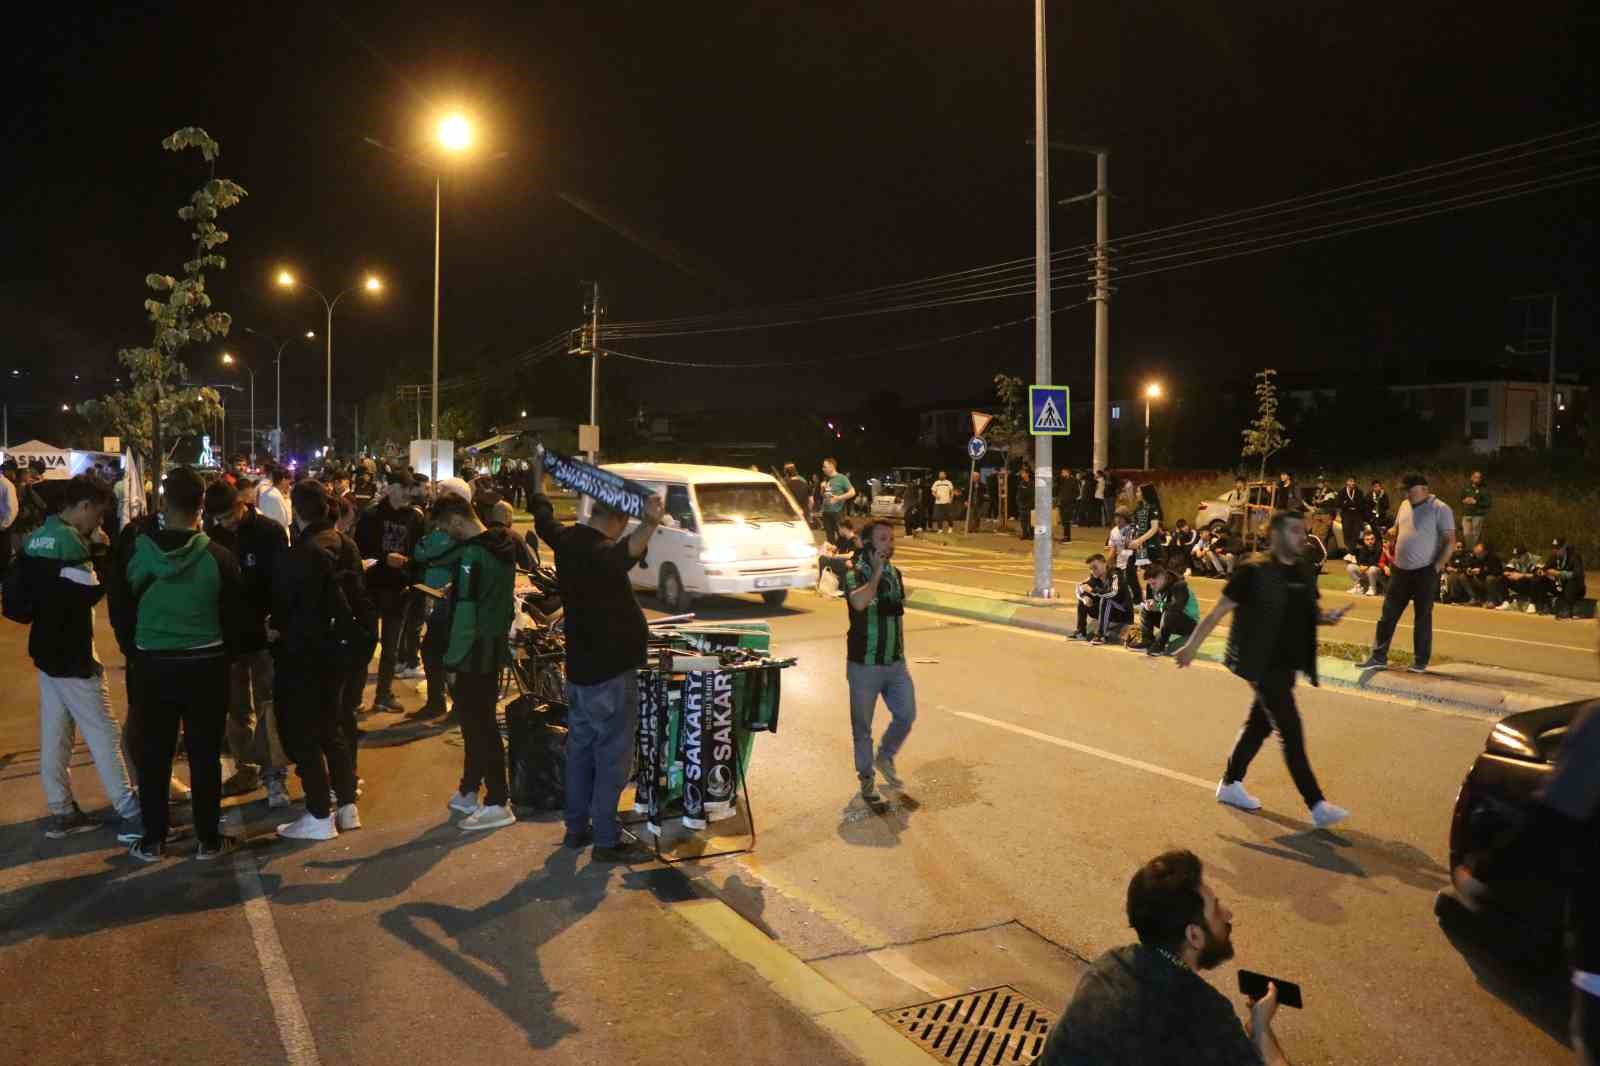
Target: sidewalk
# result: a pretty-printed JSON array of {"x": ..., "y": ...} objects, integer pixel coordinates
[{"x": 1487, "y": 690}]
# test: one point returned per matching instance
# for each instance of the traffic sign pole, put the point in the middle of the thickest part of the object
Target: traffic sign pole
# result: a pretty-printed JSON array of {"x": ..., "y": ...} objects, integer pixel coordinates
[{"x": 976, "y": 448}]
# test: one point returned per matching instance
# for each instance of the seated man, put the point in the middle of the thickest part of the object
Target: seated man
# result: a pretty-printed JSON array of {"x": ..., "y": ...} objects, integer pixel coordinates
[
  {"x": 1088, "y": 596},
  {"x": 1225, "y": 549},
  {"x": 1146, "y": 1004},
  {"x": 1563, "y": 572},
  {"x": 1385, "y": 563},
  {"x": 1453, "y": 582},
  {"x": 1179, "y": 546},
  {"x": 1362, "y": 566},
  {"x": 1525, "y": 582},
  {"x": 1200, "y": 563},
  {"x": 1170, "y": 612},
  {"x": 1484, "y": 580},
  {"x": 1116, "y": 607}
]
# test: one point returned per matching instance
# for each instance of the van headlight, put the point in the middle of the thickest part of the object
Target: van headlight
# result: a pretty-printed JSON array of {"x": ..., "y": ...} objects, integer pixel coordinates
[
  {"x": 802, "y": 549},
  {"x": 719, "y": 553}
]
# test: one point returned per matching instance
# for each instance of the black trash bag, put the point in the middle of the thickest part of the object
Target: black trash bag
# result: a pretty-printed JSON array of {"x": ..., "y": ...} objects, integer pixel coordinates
[{"x": 536, "y": 746}]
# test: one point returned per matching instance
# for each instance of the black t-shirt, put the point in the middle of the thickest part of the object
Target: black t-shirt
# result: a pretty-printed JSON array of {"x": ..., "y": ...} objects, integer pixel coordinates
[
  {"x": 606, "y": 630},
  {"x": 1290, "y": 648}
]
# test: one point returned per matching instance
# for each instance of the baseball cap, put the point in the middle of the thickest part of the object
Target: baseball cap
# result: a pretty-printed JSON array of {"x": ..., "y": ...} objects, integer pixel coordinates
[
  {"x": 455, "y": 486},
  {"x": 1411, "y": 481}
]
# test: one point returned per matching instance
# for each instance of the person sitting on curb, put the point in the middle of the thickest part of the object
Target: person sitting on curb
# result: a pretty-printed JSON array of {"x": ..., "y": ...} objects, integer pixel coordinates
[
  {"x": 1366, "y": 577},
  {"x": 1485, "y": 582},
  {"x": 1563, "y": 572},
  {"x": 1171, "y": 611},
  {"x": 1146, "y": 1004},
  {"x": 1524, "y": 581},
  {"x": 1088, "y": 596}
]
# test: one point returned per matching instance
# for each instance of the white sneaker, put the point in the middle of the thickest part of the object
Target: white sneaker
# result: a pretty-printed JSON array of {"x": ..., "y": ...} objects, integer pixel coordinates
[
  {"x": 1372, "y": 592},
  {"x": 465, "y": 803},
  {"x": 487, "y": 818},
  {"x": 1356, "y": 589},
  {"x": 309, "y": 827},
  {"x": 1531, "y": 609},
  {"x": 1325, "y": 814},
  {"x": 348, "y": 818},
  {"x": 1234, "y": 795},
  {"x": 1504, "y": 605}
]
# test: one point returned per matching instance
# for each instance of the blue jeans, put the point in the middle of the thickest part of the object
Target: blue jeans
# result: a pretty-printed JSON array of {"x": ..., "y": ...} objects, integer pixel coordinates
[
  {"x": 867, "y": 683},
  {"x": 601, "y": 720}
]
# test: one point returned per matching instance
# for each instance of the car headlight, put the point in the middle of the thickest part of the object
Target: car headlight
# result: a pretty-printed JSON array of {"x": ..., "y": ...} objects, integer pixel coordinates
[
  {"x": 719, "y": 553},
  {"x": 1504, "y": 740},
  {"x": 803, "y": 550}
]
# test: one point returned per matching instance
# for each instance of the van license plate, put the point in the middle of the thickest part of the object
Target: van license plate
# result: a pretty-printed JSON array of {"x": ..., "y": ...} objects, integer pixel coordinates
[{"x": 772, "y": 582}]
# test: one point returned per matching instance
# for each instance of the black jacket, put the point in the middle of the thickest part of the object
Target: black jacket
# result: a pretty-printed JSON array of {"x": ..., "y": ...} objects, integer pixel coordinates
[
  {"x": 61, "y": 637},
  {"x": 1263, "y": 590},
  {"x": 1571, "y": 567},
  {"x": 382, "y": 530},
  {"x": 302, "y": 594},
  {"x": 1489, "y": 565},
  {"x": 1378, "y": 511},
  {"x": 1366, "y": 555},
  {"x": 256, "y": 543},
  {"x": 606, "y": 630},
  {"x": 1356, "y": 506}
]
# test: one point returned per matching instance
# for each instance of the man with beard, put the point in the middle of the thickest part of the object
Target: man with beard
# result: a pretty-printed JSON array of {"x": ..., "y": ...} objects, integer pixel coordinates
[{"x": 1146, "y": 1004}]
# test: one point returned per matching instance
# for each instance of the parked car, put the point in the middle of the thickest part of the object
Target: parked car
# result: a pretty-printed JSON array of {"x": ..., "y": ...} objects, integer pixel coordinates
[
  {"x": 728, "y": 531},
  {"x": 893, "y": 488},
  {"x": 1495, "y": 797},
  {"x": 1215, "y": 514}
]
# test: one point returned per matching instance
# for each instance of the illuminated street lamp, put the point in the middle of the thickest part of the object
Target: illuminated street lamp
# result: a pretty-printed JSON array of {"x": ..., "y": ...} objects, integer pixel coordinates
[
  {"x": 454, "y": 135},
  {"x": 1152, "y": 391},
  {"x": 228, "y": 359},
  {"x": 372, "y": 284},
  {"x": 277, "y": 366}
]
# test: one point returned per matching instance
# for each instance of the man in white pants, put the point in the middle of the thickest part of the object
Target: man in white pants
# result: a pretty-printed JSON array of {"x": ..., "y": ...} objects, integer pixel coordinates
[{"x": 60, "y": 588}]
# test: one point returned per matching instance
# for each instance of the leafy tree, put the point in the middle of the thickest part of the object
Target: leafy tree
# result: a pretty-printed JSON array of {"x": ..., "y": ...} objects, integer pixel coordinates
[
  {"x": 1265, "y": 436},
  {"x": 1010, "y": 425},
  {"x": 156, "y": 409}
]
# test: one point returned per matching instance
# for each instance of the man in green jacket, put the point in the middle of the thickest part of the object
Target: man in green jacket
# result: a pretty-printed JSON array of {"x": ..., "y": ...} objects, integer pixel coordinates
[
  {"x": 1475, "y": 505},
  {"x": 481, "y": 608},
  {"x": 58, "y": 578},
  {"x": 190, "y": 609}
]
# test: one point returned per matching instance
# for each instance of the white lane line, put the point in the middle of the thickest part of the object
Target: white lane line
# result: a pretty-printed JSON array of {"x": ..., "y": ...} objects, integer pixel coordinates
[
  {"x": 1109, "y": 756},
  {"x": 294, "y": 1030},
  {"x": 893, "y": 961}
]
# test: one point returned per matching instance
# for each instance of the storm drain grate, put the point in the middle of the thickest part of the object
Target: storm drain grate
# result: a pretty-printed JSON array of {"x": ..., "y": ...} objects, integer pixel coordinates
[{"x": 996, "y": 1025}]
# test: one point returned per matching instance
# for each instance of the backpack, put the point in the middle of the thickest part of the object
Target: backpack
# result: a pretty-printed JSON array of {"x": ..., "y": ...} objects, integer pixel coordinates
[{"x": 17, "y": 602}]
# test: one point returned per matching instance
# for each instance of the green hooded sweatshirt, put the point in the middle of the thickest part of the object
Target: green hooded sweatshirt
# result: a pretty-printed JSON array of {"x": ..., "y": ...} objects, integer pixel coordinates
[
  {"x": 435, "y": 554},
  {"x": 181, "y": 582}
]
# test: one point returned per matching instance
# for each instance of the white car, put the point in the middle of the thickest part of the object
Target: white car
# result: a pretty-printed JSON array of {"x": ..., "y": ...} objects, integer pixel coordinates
[{"x": 728, "y": 531}]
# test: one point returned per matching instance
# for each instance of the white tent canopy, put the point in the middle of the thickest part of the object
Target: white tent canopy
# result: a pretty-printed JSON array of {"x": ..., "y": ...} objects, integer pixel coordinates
[{"x": 58, "y": 462}]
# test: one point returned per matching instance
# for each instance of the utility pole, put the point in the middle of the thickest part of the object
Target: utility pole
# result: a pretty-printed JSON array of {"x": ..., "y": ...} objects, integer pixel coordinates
[
  {"x": 1043, "y": 538},
  {"x": 433, "y": 432},
  {"x": 1550, "y": 429},
  {"x": 593, "y": 454},
  {"x": 1102, "y": 313}
]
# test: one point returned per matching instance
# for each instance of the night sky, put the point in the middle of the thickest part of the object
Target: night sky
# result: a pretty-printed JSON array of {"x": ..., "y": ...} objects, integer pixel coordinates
[{"x": 763, "y": 153}]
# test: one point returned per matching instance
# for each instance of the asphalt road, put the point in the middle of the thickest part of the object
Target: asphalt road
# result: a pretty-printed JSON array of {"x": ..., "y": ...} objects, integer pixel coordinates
[
  {"x": 1040, "y": 774},
  {"x": 1537, "y": 643}
]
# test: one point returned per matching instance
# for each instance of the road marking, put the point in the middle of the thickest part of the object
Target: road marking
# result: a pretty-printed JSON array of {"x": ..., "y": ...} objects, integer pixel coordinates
[
  {"x": 1109, "y": 756},
  {"x": 894, "y": 962},
  {"x": 294, "y": 1029}
]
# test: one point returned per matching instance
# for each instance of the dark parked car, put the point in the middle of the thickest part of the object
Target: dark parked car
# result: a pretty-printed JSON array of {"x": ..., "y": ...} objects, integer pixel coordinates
[{"x": 1517, "y": 759}]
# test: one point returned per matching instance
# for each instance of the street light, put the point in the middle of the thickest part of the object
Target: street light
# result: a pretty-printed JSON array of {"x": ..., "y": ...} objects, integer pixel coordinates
[
  {"x": 229, "y": 360},
  {"x": 372, "y": 284},
  {"x": 1152, "y": 391},
  {"x": 277, "y": 364},
  {"x": 454, "y": 135}
]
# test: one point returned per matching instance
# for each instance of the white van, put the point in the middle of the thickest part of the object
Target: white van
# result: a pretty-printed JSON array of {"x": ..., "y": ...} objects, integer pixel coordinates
[{"x": 727, "y": 531}]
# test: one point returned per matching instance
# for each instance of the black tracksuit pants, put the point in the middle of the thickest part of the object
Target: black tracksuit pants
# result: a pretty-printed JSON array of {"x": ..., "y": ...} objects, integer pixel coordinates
[
  {"x": 307, "y": 699},
  {"x": 1274, "y": 709},
  {"x": 484, "y": 759},
  {"x": 190, "y": 688},
  {"x": 391, "y": 627}
]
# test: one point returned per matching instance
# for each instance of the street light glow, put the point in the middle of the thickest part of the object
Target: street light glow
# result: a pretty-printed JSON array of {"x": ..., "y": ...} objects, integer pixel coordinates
[
  {"x": 227, "y": 358},
  {"x": 311, "y": 335},
  {"x": 1153, "y": 390},
  {"x": 285, "y": 279},
  {"x": 373, "y": 284},
  {"x": 455, "y": 133}
]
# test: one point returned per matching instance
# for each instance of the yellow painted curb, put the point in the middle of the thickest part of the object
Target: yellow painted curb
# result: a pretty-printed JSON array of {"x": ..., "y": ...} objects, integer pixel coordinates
[{"x": 851, "y": 1023}]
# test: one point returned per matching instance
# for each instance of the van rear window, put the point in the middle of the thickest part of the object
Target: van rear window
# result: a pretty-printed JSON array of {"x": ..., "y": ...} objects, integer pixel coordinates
[{"x": 751, "y": 501}]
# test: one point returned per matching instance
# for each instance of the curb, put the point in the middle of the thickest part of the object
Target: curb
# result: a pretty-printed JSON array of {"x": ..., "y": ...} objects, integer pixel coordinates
[
  {"x": 845, "y": 1018},
  {"x": 1479, "y": 697}
]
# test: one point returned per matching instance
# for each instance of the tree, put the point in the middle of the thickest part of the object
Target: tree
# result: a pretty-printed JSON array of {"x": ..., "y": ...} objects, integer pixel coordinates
[
  {"x": 1010, "y": 425},
  {"x": 1265, "y": 436},
  {"x": 157, "y": 409}
]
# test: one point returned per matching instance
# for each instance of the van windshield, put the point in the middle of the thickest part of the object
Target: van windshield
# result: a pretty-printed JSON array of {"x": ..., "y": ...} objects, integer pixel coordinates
[{"x": 750, "y": 501}]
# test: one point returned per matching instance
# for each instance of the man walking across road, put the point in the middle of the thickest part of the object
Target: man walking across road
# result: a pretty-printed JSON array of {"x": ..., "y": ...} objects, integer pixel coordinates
[
  {"x": 837, "y": 492},
  {"x": 1475, "y": 503},
  {"x": 252, "y": 732},
  {"x": 1273, "y": 638},
  {"x": 1426, "y": 538},
  {"x": 876, "y": 650},
  {"x": 58, "y": 581},
  {"x": 606, "y": 642}
]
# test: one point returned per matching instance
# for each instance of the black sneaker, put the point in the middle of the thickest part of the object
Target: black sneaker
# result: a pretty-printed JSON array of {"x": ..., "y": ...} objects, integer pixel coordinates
[
  {"x": 578, "y": 840},
  {"x": 144, "y": 852},
  {"x": 1077, "y": 634},
  {"x": 223, "y": 845},
  {"x": 429, "y": 710},
  {"x": 70, "y": 824},
  {"x": 869, "y": 788},
  {"x": 1373, "y": 663},
  {"x": 386, "y": 702},
  {"x": 630, "y": 853}
]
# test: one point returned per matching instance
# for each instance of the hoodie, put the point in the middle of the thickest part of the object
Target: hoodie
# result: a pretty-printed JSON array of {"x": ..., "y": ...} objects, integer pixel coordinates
[
  {"x": 63, "y": 588},
  {"x": 481, "y": 603},
  {"x": 379, "y": 531},
  {"x": 189, "y": 592}
]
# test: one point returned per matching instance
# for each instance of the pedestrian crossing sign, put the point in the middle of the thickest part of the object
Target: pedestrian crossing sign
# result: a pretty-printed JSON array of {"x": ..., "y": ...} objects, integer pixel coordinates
[{"x": 1049, "y": 411}]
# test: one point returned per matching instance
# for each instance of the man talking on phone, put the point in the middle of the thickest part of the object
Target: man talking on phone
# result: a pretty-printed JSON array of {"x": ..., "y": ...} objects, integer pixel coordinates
[
  {"x": 1273, "y": 638},
  {"x": 1146, "y": 1004},
  {"x": 876, "y": 649}
]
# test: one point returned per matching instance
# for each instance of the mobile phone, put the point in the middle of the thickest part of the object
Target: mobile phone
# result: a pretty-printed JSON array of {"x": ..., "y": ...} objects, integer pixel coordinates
[
  {"x": 1254, "y": 985},
  {"x": 426, "y": 590}
]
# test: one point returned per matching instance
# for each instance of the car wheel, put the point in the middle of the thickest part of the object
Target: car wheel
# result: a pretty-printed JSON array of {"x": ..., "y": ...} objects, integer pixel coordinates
[
  {"x": 775, "y": 599},
  {"x": 670, "y": 591}
]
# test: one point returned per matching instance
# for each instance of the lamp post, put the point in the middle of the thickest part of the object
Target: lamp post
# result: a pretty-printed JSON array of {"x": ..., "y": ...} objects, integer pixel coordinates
[
  {"x": 277, "y": 366},
  {"x": 372, "y": 284},
  {"x": 454, "y": 135},
  {"x": 228, "y": 359},
  {"x": 1152, "y": 391}
]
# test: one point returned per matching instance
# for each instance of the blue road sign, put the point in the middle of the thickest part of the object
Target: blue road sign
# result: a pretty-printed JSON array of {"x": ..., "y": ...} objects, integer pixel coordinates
[
  {"x": 1049, "y": 411},
  {"x": 976, "y": 448}
]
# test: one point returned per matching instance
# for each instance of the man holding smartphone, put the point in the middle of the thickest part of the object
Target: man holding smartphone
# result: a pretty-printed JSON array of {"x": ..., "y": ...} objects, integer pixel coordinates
[
  {"x": 1146, "y": 1004},
  {"x": 876, "y": 648},
  {"x": 1273, "y": 638}
]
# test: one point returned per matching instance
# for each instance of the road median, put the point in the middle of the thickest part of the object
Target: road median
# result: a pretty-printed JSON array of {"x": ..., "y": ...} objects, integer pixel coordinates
[{"x": 1461, "y": 686}]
